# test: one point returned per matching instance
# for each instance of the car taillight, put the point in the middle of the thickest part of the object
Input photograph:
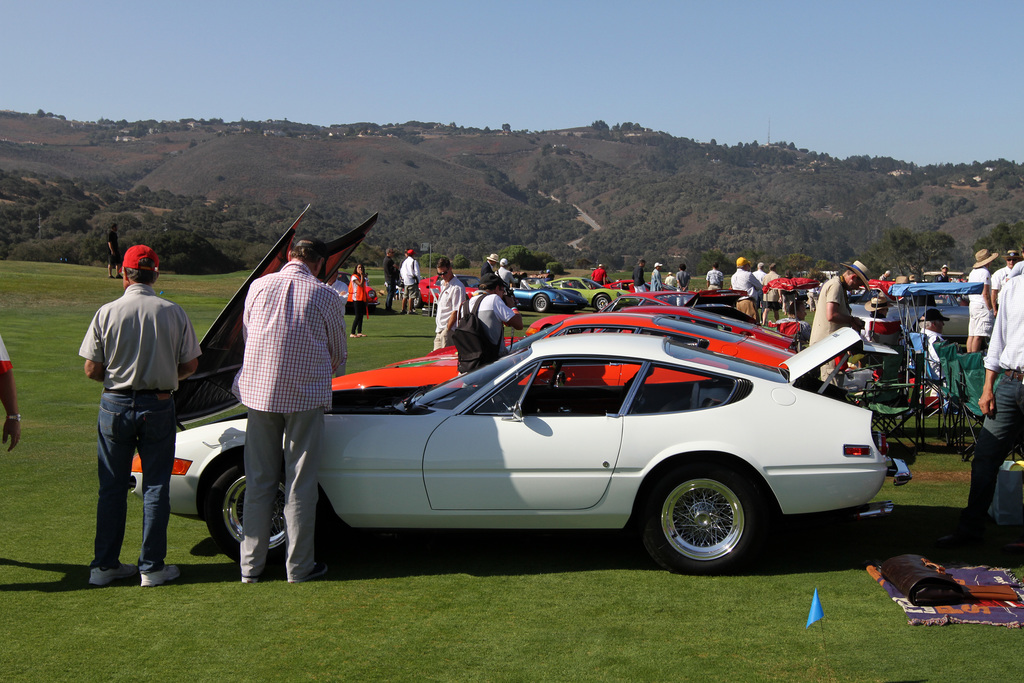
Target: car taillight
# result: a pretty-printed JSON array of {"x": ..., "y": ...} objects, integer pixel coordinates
[
  {"x": 882, "y": 441},
  {"x": 855, "y": 450},
  {"x": 179, "y": 467}
]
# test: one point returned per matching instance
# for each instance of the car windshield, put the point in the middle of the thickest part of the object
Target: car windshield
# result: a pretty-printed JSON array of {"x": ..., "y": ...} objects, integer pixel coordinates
[
  {"x": 527, "y": 341},
  {"x": 590, "y": 284},
  {"x": 675, "y": 299},
  {"x": 452, "y": 393}
]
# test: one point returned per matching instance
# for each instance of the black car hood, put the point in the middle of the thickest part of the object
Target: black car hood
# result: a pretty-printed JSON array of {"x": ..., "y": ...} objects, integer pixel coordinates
[{"x": 208, "y": 391}]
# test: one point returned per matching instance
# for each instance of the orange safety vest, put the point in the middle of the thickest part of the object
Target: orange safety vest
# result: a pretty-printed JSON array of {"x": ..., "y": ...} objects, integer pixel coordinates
[{"x": 356, "y": 289}]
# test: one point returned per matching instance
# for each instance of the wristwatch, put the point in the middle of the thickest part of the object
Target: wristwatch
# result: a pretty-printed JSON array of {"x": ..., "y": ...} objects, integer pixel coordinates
[{"x": 16, "y": 417}]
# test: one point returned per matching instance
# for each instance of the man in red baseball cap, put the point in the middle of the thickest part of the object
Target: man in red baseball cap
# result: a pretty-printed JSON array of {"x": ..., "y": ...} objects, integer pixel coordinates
[
  {"x": 139, "y": 346},
  {"x": 141, "y": 257}
]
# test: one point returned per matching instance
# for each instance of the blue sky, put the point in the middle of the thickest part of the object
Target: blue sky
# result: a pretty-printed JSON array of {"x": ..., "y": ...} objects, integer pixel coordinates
[{"x": 928, "y": 82}]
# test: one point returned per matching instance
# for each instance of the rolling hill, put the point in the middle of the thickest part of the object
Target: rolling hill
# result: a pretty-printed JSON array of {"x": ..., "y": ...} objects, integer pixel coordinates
[{"x": 472, "y": 191}]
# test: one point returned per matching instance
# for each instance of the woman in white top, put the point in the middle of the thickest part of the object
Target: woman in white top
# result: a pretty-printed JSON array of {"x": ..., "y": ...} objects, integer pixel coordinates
[{"x": 980, "y": 326}]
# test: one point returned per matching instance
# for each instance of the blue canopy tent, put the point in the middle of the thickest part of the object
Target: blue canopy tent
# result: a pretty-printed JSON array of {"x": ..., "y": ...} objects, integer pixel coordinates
[
  {"x": 912, "y": 298},
  {"x": 912, "y": 288}
]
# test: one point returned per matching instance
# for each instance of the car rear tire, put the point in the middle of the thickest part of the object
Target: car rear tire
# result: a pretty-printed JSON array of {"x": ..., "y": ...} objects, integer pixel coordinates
[
  {"x": 224, "y": 508},
  {"x": 600, "y": 301},
  {"x": 704, "y": 519},
  {"x": 541, "y": 303}
]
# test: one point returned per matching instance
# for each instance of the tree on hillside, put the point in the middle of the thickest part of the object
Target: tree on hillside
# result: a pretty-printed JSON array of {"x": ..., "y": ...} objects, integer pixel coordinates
[
  {"x": 798, "y": 263},
  {"x": 1002, "y": 237},
  {"x": 905, "y": 251},
  {"x": 709, "y": 258}
]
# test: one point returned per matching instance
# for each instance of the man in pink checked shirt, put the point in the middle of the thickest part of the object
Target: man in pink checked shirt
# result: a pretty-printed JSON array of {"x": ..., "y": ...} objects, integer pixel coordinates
[{"x": 295, "y": 338}]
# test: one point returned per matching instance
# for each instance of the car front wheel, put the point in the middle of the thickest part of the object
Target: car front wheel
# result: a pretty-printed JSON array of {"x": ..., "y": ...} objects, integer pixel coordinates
[
  {"x": 600, "y": 301},
  {"x": 541, "y": 303},
  {"x": 704, "y": 519},
  {"x": 225, "y": 508}
]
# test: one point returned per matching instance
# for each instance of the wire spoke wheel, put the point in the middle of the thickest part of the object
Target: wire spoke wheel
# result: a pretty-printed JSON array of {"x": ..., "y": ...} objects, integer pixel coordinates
[
  {"x": 234, "y": 512},
  {"x": 225, "y": 513},
  {"x": 702, "y": 519}
]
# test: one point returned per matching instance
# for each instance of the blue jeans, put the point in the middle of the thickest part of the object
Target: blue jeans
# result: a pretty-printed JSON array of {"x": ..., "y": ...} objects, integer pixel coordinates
[
  {"x": 392, "y": 287},
  {"x": 126, "y": 423},
  {"x": 996, "y": 439}
]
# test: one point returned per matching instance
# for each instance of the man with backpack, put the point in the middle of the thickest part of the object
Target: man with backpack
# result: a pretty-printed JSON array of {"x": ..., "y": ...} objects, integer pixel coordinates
[{"x": 478, "y": 336}]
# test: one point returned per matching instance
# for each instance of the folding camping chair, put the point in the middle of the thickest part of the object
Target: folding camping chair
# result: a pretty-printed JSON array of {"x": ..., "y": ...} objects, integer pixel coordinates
[
  {"x": 971, "y": 382},
  {"x": 893, "y": 402},
  {"x": 435, "y": 294},
  {"x": 950, "y": 395}
]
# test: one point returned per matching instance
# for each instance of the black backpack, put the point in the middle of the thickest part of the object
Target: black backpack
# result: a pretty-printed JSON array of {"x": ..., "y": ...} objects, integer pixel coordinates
[{"x": 472, "y": 340}]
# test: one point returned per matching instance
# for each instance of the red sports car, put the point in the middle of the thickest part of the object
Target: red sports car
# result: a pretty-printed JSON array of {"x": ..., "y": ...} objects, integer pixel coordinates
[
  {"x": 442, "y": 365},
  {"x": 697, "y": 315},
  {"x": 429, "y": 285}
]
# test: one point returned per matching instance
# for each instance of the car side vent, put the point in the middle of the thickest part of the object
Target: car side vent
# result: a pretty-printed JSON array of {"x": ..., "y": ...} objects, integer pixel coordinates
[{"x": 743, "y": 389}]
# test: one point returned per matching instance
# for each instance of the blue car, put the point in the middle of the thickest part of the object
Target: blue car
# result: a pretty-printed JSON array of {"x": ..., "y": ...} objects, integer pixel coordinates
[{"x": 547, "y": 299}]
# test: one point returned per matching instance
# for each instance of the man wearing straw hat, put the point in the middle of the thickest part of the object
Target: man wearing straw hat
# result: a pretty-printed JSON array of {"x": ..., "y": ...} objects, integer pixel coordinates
[
  {"x": 833, "y": 310},
  {"x": 875, "y": 328},
  {"x": 980, "y": 326}
]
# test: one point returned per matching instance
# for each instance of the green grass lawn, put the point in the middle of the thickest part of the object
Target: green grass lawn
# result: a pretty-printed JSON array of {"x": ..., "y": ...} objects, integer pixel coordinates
[{"x": 512, "y": 607}]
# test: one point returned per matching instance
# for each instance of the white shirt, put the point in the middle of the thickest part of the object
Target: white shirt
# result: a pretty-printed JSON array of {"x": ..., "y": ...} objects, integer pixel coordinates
[
  {"x": 451, "y": 296},
  {"x": 745, "y": 280},
  {"x": 931, "y": 338},
  {"x": 998, "y": 278},
  {"x": 410, "y": 271},
  {"x": 505, "y": 274},
  {"x": 979, "y": 275},
  {"x": 1006, "y": 345},
  {"x": 493, "y": 313}
]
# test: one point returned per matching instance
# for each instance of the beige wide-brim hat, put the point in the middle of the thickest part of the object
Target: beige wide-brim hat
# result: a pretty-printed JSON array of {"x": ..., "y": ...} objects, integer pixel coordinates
[
  {"x": 877, "y": 303},
  {"x": 901, "y": 280},
  {"x": 983, "y": 258},
  {"x": 493, "y": 257},
  {"x": 860, "y": 269}
]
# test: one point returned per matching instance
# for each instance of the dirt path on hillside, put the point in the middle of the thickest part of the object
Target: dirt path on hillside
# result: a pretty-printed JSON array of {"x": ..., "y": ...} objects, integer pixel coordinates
[
  {"x": 586, "y": 218},
  {"x": 582, "y": 216}
]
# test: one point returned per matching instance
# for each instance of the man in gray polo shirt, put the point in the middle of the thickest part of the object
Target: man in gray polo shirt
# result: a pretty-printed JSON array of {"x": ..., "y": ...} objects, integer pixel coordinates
[{"x": 138, "y": 346}]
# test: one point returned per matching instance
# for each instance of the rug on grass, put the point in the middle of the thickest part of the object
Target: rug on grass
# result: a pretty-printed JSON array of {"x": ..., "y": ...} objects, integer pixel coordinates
[{"x": 995, "y": 612}]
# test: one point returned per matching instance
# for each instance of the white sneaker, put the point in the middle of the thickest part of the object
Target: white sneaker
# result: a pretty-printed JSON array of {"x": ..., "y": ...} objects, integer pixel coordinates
[
  {"x": 101, "y": 577},
  {"x": 160, "y": 576}
]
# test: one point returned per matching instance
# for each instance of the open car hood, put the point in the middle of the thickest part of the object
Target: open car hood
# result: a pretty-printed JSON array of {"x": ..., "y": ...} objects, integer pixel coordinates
[
  {"x": 837, "y": 344},
  {"x": 208, "y": 391}
]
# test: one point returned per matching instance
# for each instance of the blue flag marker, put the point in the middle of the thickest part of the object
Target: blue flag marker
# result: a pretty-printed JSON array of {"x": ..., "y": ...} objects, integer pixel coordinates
[{"x": 816, "y": 612}]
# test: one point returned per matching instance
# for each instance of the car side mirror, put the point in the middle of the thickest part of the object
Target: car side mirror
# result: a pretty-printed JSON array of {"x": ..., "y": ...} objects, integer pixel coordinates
[{"x": 517, "y": 413}]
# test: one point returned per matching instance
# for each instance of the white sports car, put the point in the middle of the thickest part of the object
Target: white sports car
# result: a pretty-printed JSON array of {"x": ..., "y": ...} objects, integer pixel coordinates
[{"x": 593, "y": 431}]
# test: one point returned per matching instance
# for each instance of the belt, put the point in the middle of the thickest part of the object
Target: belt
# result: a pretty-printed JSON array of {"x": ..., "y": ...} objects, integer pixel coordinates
[
  {"x": 1015, "y": 374},
  {"x": 159, "y": 393}
]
